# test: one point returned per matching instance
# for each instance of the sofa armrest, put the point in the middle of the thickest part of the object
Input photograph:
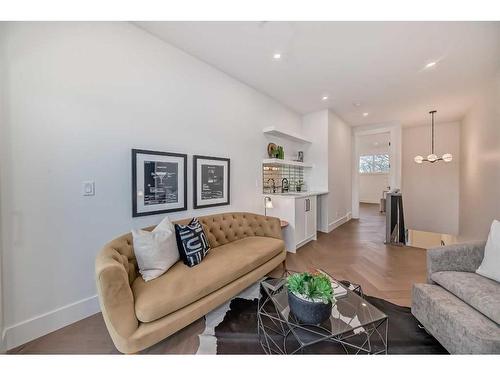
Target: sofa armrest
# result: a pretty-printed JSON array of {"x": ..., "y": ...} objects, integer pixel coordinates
[
  {"x": 115, "y": 297},
  {"x": 271, "y": 226},
  {"x": 465, "y": 257}
]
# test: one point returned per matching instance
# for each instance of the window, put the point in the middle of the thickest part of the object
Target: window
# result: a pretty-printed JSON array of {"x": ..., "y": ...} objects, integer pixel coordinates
[{"x": 374, "y": 163}]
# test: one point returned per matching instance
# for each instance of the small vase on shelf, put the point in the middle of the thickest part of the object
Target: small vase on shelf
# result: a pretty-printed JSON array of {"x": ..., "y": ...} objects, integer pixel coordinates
[{"x": 281, "y": 153}]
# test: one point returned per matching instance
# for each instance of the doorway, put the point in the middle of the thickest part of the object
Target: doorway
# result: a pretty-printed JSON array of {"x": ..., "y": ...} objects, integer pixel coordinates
[
  {"x": 376, "y": 167},
  {"x": 373, "y": 168}
]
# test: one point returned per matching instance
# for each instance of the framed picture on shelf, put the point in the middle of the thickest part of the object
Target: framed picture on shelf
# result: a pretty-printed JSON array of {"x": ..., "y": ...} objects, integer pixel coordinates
[
  {"x": 159, "y": 182},
  {"x": 211, "y": 181}
]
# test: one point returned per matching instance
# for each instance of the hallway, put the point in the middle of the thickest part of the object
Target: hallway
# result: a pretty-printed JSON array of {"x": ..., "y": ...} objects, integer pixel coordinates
[{"x": 356, "y": 251}]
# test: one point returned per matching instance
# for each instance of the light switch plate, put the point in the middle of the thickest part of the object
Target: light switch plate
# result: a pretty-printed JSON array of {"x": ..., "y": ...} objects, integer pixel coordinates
[{"x": 88, "y": 188}]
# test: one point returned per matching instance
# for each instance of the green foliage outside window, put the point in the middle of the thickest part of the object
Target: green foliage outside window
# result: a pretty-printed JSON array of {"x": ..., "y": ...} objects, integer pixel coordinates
[{"x": 378, "y": 163}]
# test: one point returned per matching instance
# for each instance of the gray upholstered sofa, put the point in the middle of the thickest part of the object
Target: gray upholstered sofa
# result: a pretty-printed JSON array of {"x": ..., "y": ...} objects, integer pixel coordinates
[{"x": 460, "y": 308}]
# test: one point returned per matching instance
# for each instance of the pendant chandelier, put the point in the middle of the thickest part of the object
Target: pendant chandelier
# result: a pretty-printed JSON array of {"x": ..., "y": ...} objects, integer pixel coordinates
[{"x": 432, "y": 157}]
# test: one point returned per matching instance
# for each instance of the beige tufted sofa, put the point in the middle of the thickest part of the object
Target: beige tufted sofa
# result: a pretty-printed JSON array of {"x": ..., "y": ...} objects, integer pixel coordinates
[{"x": 244, "y": 248}]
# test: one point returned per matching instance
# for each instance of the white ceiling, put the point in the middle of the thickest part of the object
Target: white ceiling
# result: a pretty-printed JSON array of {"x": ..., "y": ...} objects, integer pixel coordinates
[{"x": 378, "y": 64}]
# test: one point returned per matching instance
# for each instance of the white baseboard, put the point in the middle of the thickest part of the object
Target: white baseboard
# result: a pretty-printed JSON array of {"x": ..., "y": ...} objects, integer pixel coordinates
[
  {"x": 23, "y": 332},
  {"x": 323, "y": 228},
  {"x": 309, "y": 239},
  {"x": 337, "y": 223}
]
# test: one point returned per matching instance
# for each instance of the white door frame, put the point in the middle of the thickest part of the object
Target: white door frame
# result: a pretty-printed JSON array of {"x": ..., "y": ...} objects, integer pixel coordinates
[{"x": 395, "y": 156}]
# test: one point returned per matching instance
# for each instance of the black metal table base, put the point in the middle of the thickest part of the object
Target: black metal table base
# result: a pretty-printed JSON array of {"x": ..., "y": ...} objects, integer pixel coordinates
[{"x": 276, "y": 335}]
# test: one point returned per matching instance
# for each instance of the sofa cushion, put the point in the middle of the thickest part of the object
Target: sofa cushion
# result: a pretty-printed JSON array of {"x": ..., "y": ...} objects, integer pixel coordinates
[
  {"x": 182, "y": 285},
  {"x": 477, "y": 291},
  {"x": 155, "y": 251},
  {"x": 192, "y": 242},
  {"x": 490, "y": 266},
  {"x": 460, "y": 328}
]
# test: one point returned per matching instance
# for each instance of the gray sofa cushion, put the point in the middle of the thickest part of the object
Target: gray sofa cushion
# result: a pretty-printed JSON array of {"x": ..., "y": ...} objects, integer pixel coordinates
[
  {"x": 460, "y": 328},
  {"x": 479, "y": 292}
]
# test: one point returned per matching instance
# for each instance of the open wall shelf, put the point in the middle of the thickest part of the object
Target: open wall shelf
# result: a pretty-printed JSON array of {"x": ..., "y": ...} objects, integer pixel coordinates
[
  {"x": 286, "y": 162},
  {"x": 272, "y": 130}
]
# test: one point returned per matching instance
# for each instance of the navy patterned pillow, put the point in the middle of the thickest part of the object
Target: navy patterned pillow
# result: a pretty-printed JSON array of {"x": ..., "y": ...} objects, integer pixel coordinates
[{"x": 192, "y": 243}]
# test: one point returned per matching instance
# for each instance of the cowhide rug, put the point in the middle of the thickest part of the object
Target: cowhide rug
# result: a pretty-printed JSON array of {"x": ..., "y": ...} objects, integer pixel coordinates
[{"x": 232, "y": 329}]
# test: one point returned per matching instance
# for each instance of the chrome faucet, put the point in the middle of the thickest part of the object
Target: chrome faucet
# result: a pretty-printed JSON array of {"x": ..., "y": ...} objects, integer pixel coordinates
[
  {"x": 273, "y": 185},
  {"x": 284, "y": 185}
]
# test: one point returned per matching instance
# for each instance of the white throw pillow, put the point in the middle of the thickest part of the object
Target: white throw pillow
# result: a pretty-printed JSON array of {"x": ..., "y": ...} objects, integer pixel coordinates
[
  {"x": 155, "y": 251},
  {"x": 490, "y": 267}
]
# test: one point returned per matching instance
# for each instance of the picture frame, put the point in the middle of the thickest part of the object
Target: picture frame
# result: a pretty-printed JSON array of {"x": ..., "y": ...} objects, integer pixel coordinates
[
  {"x": 159, "y": 182},
  {"x": 211, "y": 181}
]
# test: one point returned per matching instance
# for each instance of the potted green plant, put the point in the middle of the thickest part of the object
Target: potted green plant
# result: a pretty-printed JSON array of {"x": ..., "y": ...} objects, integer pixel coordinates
[{"x": 310, "y": 297}]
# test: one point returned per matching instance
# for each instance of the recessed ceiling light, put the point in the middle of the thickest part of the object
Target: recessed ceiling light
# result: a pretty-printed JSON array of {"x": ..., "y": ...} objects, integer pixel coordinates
[
  {"x": 277, "y": 56},
  {"x": 430, "y": 65},
  {"x": 356, "y": 104},
  {"x": 324, "y": 97},
  {"x": 365, "y": 114}
]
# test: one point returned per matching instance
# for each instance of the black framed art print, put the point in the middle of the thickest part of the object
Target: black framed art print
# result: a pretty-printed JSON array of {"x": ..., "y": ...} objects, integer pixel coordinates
[
  {"x": 211, "y": 180},
  {"x": 159, "y": 182}
]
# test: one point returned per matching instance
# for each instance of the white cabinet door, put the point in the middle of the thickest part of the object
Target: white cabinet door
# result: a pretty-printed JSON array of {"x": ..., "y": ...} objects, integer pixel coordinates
[
  {"x": 300, "y": 220},
  {"x": 310, "y": 224}
]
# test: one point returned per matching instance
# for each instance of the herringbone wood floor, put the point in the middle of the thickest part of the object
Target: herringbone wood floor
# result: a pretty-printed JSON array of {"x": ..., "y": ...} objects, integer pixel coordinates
[{"x": 355, "y": 251}]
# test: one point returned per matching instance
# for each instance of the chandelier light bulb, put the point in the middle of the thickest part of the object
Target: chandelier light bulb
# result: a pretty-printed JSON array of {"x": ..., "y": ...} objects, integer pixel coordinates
[
  {"x": 432, "y": 158},
  {"x": 418, "y": 159},
  {"x": 447, "y": 157}
]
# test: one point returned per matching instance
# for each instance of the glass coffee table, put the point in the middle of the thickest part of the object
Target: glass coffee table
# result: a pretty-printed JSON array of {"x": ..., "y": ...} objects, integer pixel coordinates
[{"x": 354, "y": 327}]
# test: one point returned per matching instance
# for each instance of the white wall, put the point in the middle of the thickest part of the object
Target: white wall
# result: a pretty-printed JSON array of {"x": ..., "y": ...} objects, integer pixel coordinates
[
  {"x": 3, "y": 118},
  {"x": 480, "y": 164},
  {"x": 315, "y": 128},
  {"x": 371, "y": 186},
  {"x": 330, "y": 152},
  {"x": 339, "y": 171},
  {"x": 431, "y": 191},
  {"x": 79, "y": 96}
]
